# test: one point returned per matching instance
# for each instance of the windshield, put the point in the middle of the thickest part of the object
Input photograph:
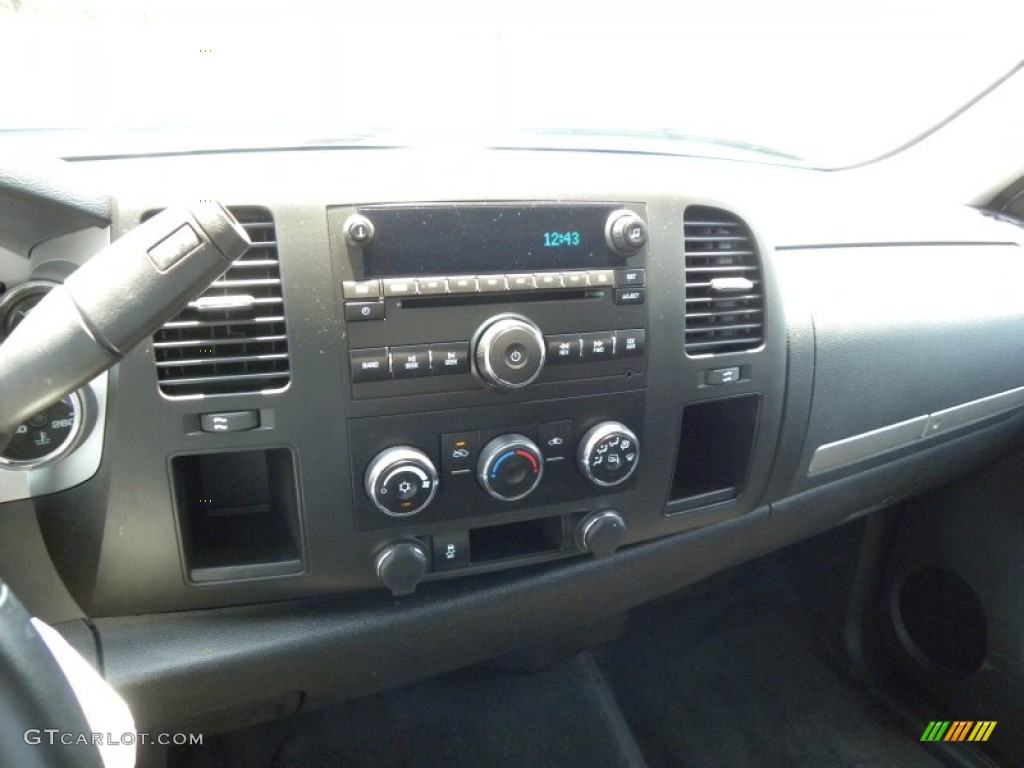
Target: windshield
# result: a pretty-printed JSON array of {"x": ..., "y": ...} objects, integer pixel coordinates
[{"x": 832, "y": 90}]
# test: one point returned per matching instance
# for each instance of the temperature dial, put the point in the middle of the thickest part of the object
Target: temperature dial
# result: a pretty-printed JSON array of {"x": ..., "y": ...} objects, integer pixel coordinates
[
  {"x": 608, "y": 454},
  {"x": 510, "y": 467},
  {"x": 46, "y": 436},
  {"x": 401, "y": 481}
]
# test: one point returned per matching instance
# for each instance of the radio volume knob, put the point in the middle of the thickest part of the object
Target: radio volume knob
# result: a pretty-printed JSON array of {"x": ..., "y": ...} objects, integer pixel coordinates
[
  {"x": 509, "y": 351},
  {"x": 510, "y": 467},
  {"x": 401, "y": 481},
  {"x": 359, "y": 230},
  {"x": 608, "y": 454},
  {"x": 625, "y": 232}
]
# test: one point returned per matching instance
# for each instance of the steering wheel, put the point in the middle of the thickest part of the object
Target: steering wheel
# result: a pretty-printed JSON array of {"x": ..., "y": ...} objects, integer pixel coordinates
[
  {"x": 36, "y": 697},
  {"x": 80, "y": 329}
]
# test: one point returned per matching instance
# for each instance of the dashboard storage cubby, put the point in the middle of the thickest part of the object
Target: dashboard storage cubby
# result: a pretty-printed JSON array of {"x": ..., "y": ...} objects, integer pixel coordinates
[
  {"x": 238, "y": 514},
  {"x": 714, "y": 451}
]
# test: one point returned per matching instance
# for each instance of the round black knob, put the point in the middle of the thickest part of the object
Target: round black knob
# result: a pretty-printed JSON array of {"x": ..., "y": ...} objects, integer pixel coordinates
[
  {"x": 401, "y": 481},
  {"x": 510, "y": 467},
  {"x": 359, "y": 230},
  {"x": 601, "y": 533},
  {"x": 625, "y": 232},
  {"x": 401, "y": 566},
  {"x": 509, "y": 351},
  {"x": 608, "y": 454}
]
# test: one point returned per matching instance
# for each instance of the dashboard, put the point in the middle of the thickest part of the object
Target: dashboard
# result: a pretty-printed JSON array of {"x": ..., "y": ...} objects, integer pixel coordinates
[{"x": 450, "y": 398}]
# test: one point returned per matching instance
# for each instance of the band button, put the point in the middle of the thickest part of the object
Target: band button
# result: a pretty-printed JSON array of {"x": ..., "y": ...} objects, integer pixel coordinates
[{"x": 369, "y": 364}]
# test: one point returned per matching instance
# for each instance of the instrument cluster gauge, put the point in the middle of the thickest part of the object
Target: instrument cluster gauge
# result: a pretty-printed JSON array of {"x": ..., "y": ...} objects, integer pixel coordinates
[
  {"x": 53, "y": 432},
  {"x": 16, "y": 303},
  {"x": 47, "y": 436}
]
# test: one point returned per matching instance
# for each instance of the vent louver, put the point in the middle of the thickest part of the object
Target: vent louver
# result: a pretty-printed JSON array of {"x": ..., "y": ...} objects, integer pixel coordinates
[
  {"x": 232, "y": 339},
  {"x": 724, "y": 285}
]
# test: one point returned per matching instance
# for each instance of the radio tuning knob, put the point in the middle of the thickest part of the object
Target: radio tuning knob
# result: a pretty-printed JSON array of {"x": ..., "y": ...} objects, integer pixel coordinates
[
  {"x": 401, "y": 481},
  {"x": 510, "y": 467},
  {"x": 625, "y": 232},
  {"x": 608, "y": 454},
  {"x": 509, "y": 351}
]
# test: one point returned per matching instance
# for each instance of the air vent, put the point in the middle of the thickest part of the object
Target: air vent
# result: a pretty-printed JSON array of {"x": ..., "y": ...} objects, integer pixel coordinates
[
  {"x": 232, "y": 338},
  {"x": 724, "y": 286}
]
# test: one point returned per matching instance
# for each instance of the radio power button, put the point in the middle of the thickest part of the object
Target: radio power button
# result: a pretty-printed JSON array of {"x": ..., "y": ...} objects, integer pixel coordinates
[{"x": 509, "y": 351}]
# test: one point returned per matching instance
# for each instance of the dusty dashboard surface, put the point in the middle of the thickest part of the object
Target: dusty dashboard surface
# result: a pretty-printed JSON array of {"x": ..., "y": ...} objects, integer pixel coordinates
[{"x": 476, "y": 375}]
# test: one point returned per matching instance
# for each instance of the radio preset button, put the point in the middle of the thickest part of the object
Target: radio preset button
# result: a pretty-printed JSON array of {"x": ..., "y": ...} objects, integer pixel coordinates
[
  {"x": 575, "y": 279},
  {"x": 449, "y": 358},
  {"x": 629, "y": 343},
  {"x": 462, "y": 284},
  {"x": 628, "y": 278},
  {"x": 548, "y": 280},
  {"x": 521, "y": 282},
  {"x": 398, "y": 287},
  {"x": 361, "y": 289},
  {"x": 563, "y": 349},
  {"x": 629, "y": 296},
  {"x": 492, "y": 283},
  {"x": 598, "y": 346},
  {"x": 369, "y": 364},
  {"x": 431, "y": 286},
  {"x": 601, "y": 277},
  {"x": 364, "y": 310}
]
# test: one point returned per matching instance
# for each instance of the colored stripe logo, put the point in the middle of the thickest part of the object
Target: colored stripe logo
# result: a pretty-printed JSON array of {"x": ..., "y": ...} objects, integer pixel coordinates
[{"x": 959, "y": 730}]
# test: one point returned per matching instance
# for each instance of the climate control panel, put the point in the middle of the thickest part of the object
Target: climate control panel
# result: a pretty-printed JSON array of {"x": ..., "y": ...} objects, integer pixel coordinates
[{"x": 419, "y": 469}]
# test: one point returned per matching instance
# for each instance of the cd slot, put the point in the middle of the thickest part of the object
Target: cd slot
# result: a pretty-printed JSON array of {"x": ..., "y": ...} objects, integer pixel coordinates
[{"x": 518, "y": 297}]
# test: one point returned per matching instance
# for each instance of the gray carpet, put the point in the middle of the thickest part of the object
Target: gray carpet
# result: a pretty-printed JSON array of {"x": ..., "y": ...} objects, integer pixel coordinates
[{"x": 555, "y": 718}]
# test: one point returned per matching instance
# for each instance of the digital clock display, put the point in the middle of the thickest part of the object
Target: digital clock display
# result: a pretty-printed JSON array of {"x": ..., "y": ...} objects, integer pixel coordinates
[
  {"x": 475, "y": 238},
  {"x": 562, "y": 239}
]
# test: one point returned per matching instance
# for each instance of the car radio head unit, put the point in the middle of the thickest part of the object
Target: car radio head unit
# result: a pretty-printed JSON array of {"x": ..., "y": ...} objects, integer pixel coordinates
[{"x": 445, "y": 297}]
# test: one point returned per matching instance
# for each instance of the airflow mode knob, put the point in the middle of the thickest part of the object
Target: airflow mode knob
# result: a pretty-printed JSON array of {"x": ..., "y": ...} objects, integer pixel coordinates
[{"x": 608, "y": 454}]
